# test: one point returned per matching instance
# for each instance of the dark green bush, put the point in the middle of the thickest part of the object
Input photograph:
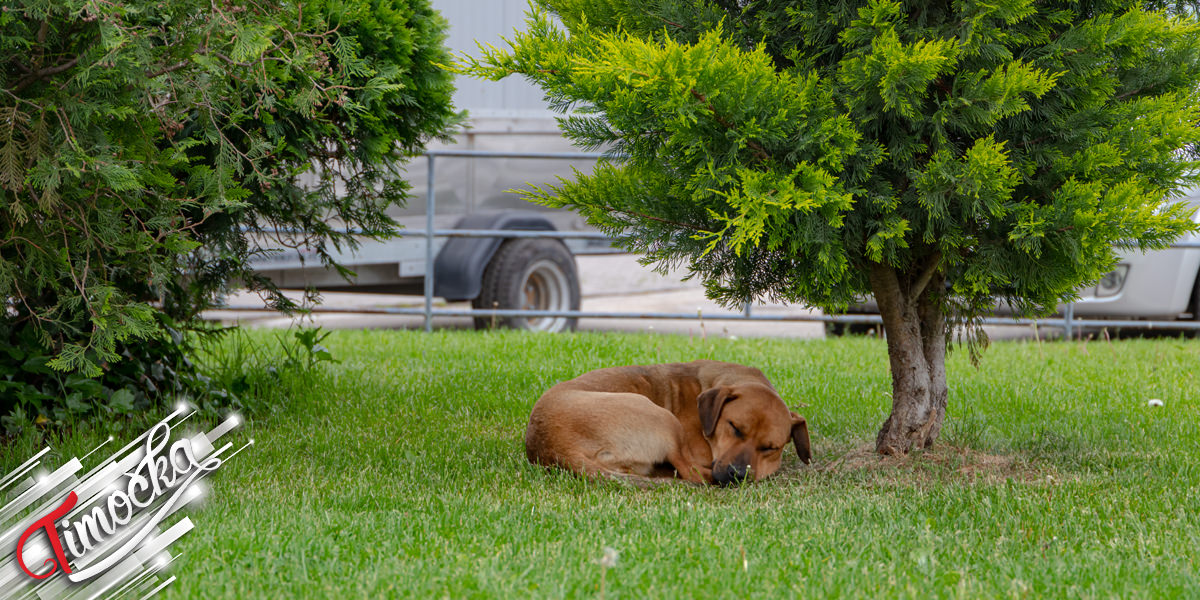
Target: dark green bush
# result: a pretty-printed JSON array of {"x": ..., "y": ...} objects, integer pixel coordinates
[{"x": 146, "y": 145}]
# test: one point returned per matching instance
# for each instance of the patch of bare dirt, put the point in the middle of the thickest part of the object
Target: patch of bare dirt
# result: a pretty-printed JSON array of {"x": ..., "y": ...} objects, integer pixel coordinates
[{"x": 942, "y": 463}]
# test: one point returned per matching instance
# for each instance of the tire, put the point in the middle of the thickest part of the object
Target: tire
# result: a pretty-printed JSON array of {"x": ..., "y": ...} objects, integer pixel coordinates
[
  {"x": 529, "y": 274},
  {"x": 1196, "y": 304},
  {"x": 1196, "y": 299},
  {"x": 844, "y": 329}
]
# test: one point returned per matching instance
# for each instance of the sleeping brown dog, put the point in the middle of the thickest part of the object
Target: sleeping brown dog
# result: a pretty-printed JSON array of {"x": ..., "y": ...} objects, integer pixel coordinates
[{"x": 704, "y": 421}]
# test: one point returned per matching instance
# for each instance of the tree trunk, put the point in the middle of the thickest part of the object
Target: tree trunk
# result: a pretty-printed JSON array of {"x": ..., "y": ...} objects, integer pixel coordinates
[{"x": 911, "y": 306}]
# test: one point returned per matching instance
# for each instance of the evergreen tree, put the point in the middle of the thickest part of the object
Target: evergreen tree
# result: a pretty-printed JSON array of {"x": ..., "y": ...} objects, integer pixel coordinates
[
  {"x": 938, "y": 155},
  {"x": 147, "y": 148}
]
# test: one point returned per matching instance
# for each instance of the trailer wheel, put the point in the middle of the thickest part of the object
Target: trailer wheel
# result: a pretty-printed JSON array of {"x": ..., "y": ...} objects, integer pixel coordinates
[
  {"x": 531, "y": 274},
  {"x": 1196, "y": 301},
  {"x": 844, "y": 329}
]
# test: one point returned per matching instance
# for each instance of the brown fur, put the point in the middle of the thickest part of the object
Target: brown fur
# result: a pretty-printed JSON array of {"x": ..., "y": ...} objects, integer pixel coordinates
[{"x": 705, "y": 421}]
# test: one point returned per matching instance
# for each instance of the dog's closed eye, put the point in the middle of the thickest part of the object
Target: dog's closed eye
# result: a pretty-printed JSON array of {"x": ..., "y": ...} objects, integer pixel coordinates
[{"x": 736, "y": 431}]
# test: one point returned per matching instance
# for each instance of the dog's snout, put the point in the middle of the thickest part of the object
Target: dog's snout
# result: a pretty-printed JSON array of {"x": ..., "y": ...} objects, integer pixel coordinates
[{"x": 729, "y": 474}]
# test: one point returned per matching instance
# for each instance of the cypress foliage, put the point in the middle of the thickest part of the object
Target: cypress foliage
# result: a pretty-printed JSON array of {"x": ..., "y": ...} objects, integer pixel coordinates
[
  {"x": 146, "y": 145},
  {"x": 939, "y": 155}
]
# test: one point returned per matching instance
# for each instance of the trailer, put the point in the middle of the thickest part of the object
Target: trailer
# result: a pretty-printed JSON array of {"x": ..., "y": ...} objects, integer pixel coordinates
[{"x": 511, "y": 141}]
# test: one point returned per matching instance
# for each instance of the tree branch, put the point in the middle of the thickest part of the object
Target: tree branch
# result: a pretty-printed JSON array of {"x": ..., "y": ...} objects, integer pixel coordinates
[
  {"x": 200, "y": 52},
  {"x": 671, "y": 23},
  {"x": 1033, "y": 142},
  {"x": 658, "y": 219},
  {"x": 168, "y": 69},
  {"x": 759, "y": 152},
  {"x": 918, "y": 286},
  {"x": 889, "y": 297},
  {"x": 31, "y": 78},
  {"x": 1130, "y": 93}
]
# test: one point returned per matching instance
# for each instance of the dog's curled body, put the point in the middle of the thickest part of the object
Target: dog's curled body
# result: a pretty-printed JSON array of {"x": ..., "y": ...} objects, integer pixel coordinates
[
  {"x": 637, "y": 438},
  {"x": 663, "y": 421}
]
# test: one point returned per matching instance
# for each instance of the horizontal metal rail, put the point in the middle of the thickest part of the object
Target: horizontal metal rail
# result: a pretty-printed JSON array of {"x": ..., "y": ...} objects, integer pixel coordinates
[
  {"x": 514, "y": 233},
  {"x": 580, "y": 314},
  {"x": 1095, "y": 323},
  {"x": 528, "y": 233},
  {"x": 583, "y": 235},
  {"x": 863, "y": 319},
  {"x": 532, "y": 155}
]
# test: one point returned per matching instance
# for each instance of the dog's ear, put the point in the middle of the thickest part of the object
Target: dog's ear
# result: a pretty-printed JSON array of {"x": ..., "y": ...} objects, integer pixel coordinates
[
  {"x": 800, "y": 438},
  {"x": 710, "y": 403}
]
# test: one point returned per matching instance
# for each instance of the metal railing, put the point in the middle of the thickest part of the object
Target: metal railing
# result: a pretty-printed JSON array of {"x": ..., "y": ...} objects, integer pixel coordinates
[{"x": 1067, "y": 322}]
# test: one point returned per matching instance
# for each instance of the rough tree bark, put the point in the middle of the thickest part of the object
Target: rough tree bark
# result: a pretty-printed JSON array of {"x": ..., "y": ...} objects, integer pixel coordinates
[{"x": 911, "y": 305}]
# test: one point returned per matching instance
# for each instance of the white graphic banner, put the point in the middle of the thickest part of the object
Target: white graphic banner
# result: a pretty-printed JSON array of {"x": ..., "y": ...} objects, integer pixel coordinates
[{"x": 104, "y": 534}]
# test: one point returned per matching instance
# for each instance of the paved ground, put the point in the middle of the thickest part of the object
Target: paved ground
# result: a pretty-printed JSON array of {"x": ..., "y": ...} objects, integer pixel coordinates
[{"x": 609, "y": 283}]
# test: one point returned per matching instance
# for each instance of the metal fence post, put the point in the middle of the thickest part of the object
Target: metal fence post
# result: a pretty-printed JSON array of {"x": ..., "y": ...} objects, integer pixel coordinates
[
  {"x": 430, "y": 201},
  {"x": 1068, "y": 316}
]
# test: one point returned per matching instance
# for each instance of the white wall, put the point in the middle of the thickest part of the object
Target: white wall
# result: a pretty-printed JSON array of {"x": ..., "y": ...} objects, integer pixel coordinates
[{"x": 487, "y": 21}]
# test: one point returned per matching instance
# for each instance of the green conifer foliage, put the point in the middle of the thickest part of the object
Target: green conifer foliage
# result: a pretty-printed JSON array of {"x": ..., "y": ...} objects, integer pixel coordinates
[
  {"x": 938, "y": 155},
  {"x": 144, "y": 144}
]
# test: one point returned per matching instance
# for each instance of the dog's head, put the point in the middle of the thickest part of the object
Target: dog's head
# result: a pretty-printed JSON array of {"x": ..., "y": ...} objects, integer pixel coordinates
[{"x": 747, "y": 426}]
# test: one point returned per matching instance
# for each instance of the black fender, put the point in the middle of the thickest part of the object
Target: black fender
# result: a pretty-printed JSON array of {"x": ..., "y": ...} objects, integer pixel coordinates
[{"x": 458, "y": 269}]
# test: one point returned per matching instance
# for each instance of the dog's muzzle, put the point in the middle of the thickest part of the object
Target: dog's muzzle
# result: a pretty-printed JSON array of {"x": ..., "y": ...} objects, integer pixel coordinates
[{"x": 730, "y": 474}]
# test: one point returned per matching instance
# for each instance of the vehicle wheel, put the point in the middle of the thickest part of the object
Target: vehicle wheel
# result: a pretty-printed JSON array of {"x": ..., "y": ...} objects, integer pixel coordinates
[
  {"x": 1196, "y": 304},
  {"x": 529, "y": 274},
  {"x": 843, "y": 329}
]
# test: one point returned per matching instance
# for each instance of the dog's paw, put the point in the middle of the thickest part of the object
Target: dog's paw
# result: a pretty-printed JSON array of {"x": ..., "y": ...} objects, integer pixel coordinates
[{"x": 699, "y": 475}]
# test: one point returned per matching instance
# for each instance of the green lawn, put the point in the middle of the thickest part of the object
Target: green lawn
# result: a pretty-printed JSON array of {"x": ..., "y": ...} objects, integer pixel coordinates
[{"x": 400, "y": 473}]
